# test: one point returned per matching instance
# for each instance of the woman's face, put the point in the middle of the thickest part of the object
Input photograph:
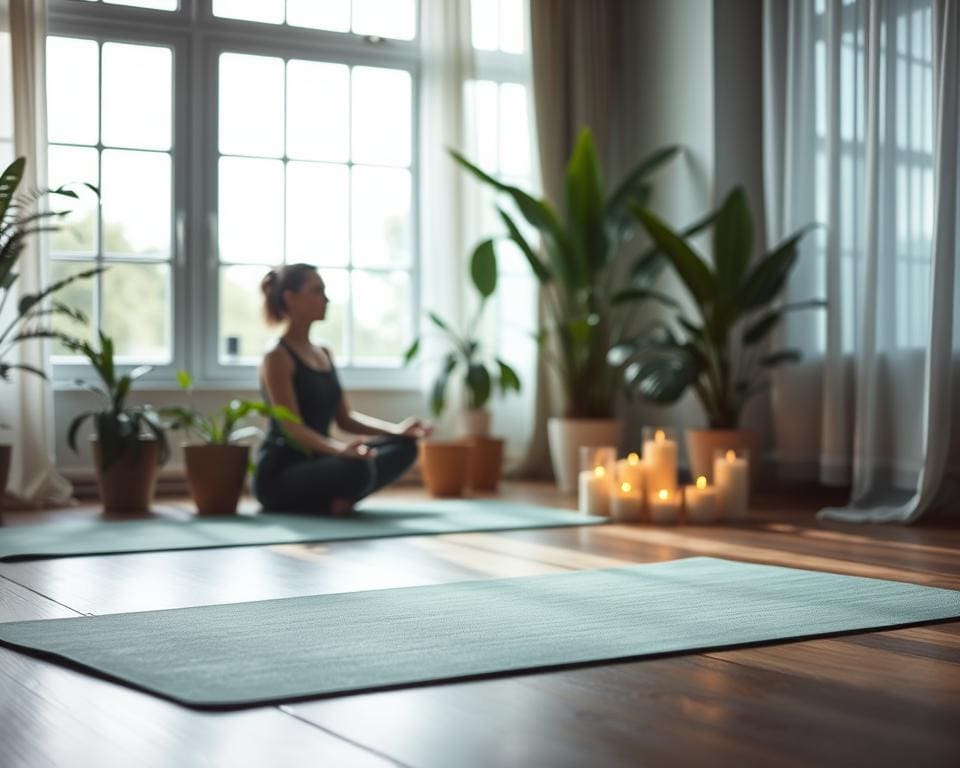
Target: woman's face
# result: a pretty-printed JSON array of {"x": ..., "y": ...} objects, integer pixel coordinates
[{"x": 308, "y": 303}]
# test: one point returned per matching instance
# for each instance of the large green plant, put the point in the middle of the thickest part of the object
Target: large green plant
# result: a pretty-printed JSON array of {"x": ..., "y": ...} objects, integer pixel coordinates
[
  {"x": 118, "y": 426},
  {"x": 224, "y": 427},
  {"x": 480, "y": 372},
  {"x": 722, "y": 353},
  {"x": 34, "y": 311},
  {"x": 580, "y": 245}
]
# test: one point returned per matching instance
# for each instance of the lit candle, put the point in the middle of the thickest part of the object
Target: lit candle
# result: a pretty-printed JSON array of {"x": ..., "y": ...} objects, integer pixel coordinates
[
  {"x": 665, "y": 506},
  {"x": 660, "y": 461},
  {"x": 731, "y": 474},
  {"x": 631, "y": 470},
  {"x": 594, "y": 491},
  {"x": 701, "y": 502},
  {"x": 626, "y": 503}
]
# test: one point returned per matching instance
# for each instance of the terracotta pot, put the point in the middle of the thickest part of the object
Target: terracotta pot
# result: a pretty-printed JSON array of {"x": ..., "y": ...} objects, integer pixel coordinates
[
  {"x": 215, "y": 475},
  {"x": 6, "y": 452},
  {"x": 444, "y": 465},
  {"x": 566, "y": 437},
  {"x": 702, "y": 443},
  {"x": 486, "y": 460},
  {"x": 129, "y": 482},
  {"x": 475, "y": 422}
]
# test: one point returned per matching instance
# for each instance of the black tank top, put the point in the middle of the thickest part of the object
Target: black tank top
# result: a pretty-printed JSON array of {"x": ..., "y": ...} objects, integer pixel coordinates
[{"x": 318, "y": 396}]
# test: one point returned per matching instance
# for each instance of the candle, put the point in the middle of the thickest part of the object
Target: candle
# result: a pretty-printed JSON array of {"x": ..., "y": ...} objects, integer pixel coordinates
[
  {"x": 594, "y": 491},
  {"x": 731, "y": 474},
  {"x": 631, "y": 470},
  {"x": 701, "y": 502},
  {"x": 660, "y": 461},
  {"x": 626, "y": 503},
  {"x": 665, "y": 506}
]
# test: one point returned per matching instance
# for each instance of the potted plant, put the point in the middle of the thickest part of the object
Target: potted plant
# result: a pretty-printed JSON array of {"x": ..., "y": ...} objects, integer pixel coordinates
[
  {"x": 30, "y": 318},
  {"x": 577, "y": 276},
  {"x": 721, "y": 354},
  {"x": 482, "y": 375},
  {"x": 129, "y": 445},
  {"x": 217, "y": 465}
]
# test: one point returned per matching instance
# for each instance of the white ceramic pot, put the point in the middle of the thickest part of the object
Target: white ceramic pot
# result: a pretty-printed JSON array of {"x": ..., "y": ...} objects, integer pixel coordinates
[
  {"x": 475, "y": 422},
  {"x": 566, "y": 436}
]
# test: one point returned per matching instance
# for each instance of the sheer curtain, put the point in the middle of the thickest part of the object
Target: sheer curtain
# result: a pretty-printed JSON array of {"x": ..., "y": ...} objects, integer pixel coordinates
[
  {"x": 27, "y": 400},
  {"x": 856, "y": 95}
]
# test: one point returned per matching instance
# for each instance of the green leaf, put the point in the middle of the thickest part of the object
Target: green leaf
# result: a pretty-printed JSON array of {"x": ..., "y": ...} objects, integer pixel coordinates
[
  {"x": 630, "y": 295},
  {"x": 411, "y": 352},
  {"x": 691, "y": 268},
  {"x": 74, "y": 427},
  {"x": 508, "y": 378},
  {"x": 9, "y": 181},
  {"x": 483, "y": 268},
  {"x": 767, "y": 278},
  {"x": 585, "y": 209},
  {"x": 779, "y": 358},
  {"x": 663, "y": 378},
  {"x": 184, "y": 380},
  {"x": 540, "y": 270},
  {"x": 439, "y": 322},
  {"x": 439, "y": 392},
  {"x": 732, "y": 241},
  {"x": 633, "y": 190},
  {"x": 479, "y": 385}
]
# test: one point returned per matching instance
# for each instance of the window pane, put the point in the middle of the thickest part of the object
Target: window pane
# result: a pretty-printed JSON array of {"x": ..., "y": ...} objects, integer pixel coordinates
[
  {"x": 241, "y": 314},
  {"x": 251, "y": 105},
  {"x": 159, "y": 5},
  {"x": 73, "y": 100},
  {"x": 511, "y": 26},
  {"x": 483, "y": 105},
  {"x": 318, "y": 111},
  {"x": 381, "y": 116},
  {"x": 484, "y": 27},
  {"x": 135, "y": 197},
  {"x": 318, "y": 214},
  {"x": 332, "y": 331},
  {"x": 385, "y": 18},
  {"x": 137, "y": 105},
  {"x": 78, "y": 229},
  {"x": 333, "y": 15},
  {"x": 251, "y": 210},
  {"x": 136, "y": 311},
  {"x": 514, "y": 130},
  {"x": 77, "y": 295},
  {"x": 381, "y": 316},
  {"x": 381, "y": 217},
  {"x": 268, "y": 11},
  {"x": 6, "y": 90}
]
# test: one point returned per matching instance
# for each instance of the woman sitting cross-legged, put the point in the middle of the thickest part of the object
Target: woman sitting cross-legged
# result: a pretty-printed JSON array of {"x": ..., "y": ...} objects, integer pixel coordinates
[{"x": 300, "y": 467}]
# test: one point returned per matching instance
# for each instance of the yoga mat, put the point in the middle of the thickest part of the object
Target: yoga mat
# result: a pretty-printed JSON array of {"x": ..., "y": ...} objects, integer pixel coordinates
[
  {"x": 372, "y": 520},
  {"x": 281, "y": 650}
]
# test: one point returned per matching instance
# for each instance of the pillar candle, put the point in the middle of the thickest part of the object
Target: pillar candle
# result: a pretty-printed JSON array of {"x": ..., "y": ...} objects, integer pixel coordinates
[
  {"x": 665, "y": 506},
  {"x": 700, "y": 501},
  {"x": 626, "y": 503},
  {"x": 631, "y": 470},
  {"x": 731, "y": 474},
  {"x": 660, "y": 462},
  {"x": 594, "y": 491}
]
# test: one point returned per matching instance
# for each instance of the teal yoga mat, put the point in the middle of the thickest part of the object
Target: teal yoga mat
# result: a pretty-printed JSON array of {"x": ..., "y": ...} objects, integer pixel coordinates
[
  {"x": 372, "y": 520},
  {"x": 281, "y": 650}
]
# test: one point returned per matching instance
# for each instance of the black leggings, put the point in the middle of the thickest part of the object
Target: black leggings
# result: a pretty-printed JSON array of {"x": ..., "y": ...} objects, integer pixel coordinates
[{"x": 289, "y": 481}]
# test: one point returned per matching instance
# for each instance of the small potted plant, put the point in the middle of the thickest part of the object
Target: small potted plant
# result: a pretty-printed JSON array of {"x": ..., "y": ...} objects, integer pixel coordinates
[
  {"x": 721, "y": 354},
  {"x": 30, "y": 318},
  {"x": 482, "y": 375},
  {"x": 129, "y": 443},
  {"x": 217, "y": 465}
]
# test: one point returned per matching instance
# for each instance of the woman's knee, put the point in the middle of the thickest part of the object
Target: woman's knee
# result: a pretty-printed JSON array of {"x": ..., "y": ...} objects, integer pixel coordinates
[{"x": 359, "y": 476}]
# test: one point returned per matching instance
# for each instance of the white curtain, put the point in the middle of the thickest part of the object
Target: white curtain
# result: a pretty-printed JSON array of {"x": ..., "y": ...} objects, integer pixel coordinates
[
  {"x": 451, "y": 114},
  {"x": 28, "y": 409},
  {"x": 856, "y": 98}
]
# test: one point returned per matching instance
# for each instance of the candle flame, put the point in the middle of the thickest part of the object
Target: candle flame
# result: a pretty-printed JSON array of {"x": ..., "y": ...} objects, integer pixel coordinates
[
  {"x": 599, "y": 471},
  {"x": 701, "y": 482},
  {"x": 626, "y": 487},
  {"x": 633, "y": 459},
  {"x": 664, "y": 494},
  {"x": 731, "y": 455},
  {"x": 659, "y": 435}
]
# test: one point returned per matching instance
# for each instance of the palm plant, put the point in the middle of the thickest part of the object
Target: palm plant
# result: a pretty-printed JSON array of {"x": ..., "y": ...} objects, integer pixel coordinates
[
  {"x": 467, "y": 352},
  {"x": 33, "y": 311},
  {"x": 577, "y": 276},
  {"x": 721, "y": 354},
  {"x": 118, "y": 426}
]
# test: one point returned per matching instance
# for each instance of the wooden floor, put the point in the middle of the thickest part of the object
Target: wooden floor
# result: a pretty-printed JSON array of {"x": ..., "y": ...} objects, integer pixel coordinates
[{"x": 880, "y": 698}]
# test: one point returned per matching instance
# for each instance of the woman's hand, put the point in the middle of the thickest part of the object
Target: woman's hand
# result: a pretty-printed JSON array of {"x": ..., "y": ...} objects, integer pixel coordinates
[
  {"x": 414, "y": 427},
  {"x": 357, "y": 449}
]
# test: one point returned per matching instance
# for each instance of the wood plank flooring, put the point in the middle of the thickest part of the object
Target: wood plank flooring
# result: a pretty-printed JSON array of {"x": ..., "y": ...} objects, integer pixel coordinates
[{"x": 880, "y": 698}]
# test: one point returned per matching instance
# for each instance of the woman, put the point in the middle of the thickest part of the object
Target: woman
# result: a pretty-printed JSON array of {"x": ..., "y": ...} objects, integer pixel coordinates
[{"x": 300, "y": 466}]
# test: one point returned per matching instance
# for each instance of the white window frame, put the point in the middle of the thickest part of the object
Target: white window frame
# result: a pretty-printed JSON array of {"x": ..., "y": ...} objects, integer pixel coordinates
[{"x": 197, "y": 38}]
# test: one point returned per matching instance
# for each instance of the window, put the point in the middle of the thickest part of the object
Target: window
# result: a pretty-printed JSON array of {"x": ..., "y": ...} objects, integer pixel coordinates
[{"x": 6, "y": 101}]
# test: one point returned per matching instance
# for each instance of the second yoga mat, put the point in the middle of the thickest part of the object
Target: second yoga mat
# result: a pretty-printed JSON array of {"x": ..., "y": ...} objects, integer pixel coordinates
[{"x": 280, "y": 650}]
